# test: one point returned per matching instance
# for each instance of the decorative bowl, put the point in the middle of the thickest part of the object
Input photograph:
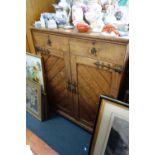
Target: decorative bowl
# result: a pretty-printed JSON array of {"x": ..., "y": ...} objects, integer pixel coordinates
[{"x": 82, "y": 27}]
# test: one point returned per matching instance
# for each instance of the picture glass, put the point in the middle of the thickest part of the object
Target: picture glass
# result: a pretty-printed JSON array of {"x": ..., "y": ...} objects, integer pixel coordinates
[
  {"x": 33, "y": 98},
  {"x": 118, "y": 141},
  {"x": 34, "y": 70}
]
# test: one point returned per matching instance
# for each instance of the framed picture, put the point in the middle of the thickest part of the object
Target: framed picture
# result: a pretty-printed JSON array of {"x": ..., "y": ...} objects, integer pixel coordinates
[
  {"x": 33, "y": 99},
  {"x": 34, "y": 70},
  {"x": 111, "y": 132}
]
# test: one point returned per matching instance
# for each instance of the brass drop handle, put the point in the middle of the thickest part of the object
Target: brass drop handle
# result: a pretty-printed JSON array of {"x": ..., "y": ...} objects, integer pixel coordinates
[
  {"x": 93, "y": 51},
  {"x": 49, "y": 42}
]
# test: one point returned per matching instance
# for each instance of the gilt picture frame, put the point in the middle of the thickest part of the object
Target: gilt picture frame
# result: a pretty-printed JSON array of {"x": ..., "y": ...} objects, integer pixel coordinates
[
  {"x": 35, "y": 70},
  {"x": 33, "y": 99},
  {"x": 111, "y": 131}
]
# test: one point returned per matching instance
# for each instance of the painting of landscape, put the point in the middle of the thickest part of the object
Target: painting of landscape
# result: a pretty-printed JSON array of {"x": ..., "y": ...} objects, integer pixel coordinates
[
  {"x": 34, "y": 70},
  {"x": 33, "y": 98}
]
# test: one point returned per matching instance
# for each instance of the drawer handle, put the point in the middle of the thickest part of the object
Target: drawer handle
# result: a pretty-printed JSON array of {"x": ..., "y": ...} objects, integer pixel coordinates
[
  {"x": 49, "y": 42},
  {"x": 42, "y": 50},
  {"x": 93, "y": 51}
]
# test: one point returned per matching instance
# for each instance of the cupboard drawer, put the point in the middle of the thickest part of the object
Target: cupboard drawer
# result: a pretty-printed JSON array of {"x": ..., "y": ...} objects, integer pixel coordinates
[
  {"x": 110, "y": 52},
  {"x": 51, "y": 42}
]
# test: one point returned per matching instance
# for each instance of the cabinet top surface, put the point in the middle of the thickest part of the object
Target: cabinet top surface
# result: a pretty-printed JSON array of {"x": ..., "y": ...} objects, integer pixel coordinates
[{"x": 75, "y": 33}]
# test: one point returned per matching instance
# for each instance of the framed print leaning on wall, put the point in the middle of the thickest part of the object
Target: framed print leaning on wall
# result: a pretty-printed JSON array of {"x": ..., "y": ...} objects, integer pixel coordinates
[
  {"x": 34, "y": 70},
  {"x": 33, "y": 99},
  {"x": 111, "y": 134}
]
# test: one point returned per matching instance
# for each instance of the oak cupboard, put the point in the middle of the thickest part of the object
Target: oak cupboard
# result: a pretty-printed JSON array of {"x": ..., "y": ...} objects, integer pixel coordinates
[
  {"x": 56, "y": 62},
  {"x": 79, "y": 68}
]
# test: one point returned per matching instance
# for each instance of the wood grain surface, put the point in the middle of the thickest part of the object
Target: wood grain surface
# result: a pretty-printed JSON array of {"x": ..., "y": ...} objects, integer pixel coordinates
[
  {"x": 37, "y": 146},
  {"x": 70, "y": 60},
  {"x": 34, "y": 8}
]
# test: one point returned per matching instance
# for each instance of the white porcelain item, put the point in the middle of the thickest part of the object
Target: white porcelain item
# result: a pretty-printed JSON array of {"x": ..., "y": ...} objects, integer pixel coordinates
[
  {"x": 77, "y": 14},
  {"x": 110, "y": 19},
  {"x": 93, "y": 16},
  {"x": 52, "y": 24},
  {"x": 64, "y": 4},
  {"x": 94, "y": 6},
  {"x": 97, "y": 26},
  {"x": 37, "y": 24},
  {"x": 42, "y": 21}
]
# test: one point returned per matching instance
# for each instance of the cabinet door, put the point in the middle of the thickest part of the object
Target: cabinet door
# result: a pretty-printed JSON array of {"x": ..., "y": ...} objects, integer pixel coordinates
[
  {"x": 57, "y": 69},
  {"x": 57, "y": 76},
  {"x": 91, "y": 81}
]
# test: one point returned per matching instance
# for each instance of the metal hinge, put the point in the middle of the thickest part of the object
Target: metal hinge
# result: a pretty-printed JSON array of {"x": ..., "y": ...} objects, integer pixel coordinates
[
  {"x": 71, "y": 86},
  {"x": 42, "y": 50},
  {"x": 117, "y": 69}
]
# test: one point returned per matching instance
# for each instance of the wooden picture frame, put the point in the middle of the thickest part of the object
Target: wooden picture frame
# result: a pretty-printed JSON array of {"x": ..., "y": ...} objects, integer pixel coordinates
[
  {"x": 33, "y": 99},
  {"x": 112, "y": 121},
  {"x": 35, "y": 70}
]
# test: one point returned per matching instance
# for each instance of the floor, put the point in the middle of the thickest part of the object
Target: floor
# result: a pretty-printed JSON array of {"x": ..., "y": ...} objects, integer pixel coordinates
[
  {"x": 38, "y": 147},
  {"x": 63, "y": 136}
]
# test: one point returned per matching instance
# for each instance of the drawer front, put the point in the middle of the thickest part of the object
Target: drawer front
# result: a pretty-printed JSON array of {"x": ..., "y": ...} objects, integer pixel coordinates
[
  {"x": 51, "y": 42},
  {"x": 110, "y": 52}
]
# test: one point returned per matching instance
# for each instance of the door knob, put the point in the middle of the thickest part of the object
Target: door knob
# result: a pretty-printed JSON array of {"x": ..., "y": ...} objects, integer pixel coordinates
[
  {"x": 93, "y": 51},
  {"x": 49, "y": 42}
]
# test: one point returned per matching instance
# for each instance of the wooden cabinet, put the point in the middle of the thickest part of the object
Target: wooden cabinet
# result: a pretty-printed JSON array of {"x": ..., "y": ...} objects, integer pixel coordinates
[
  {"x": 56, "y": 62},
  {"x": 91, "y": 82},
  {"x": 79, "y": 68}
]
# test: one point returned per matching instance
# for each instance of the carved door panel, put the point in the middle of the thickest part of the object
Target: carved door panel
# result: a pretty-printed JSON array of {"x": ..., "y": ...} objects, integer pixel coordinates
[
  {"x": 91, "y": 81},
  {"x": 57, "y": 77},
  {"x": 57, "y": 69}
]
